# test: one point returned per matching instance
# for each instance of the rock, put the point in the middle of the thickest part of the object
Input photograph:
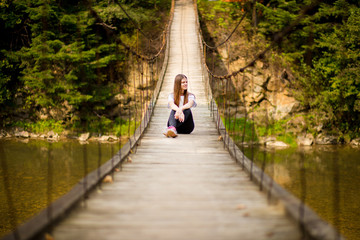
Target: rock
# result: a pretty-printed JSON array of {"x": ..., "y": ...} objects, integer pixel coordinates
[
  {"x": 296, "y": 124},
  {"x": 3, "y": 134},
  {"x": 259, "y": 64},
  {"x": 22, "y": 134},
  {"x": 276, "y": 144},
  {"x": 355, "y": 142},
  {"x": 319, "y": 128},
  {"x": 43, "y": 114},
  {"x": 104, "y": 138},
  {"x": 265, "y": 140},
  {"x": 56, "y": 136},
  {"x": 306, "y": 140},
  {"x": 50, "y": 134},
  {"x": 113, "y": 138},
  {"x": 34, "y": 135},
  {"x": 326, "y": 140},
  {"x": 284, "y": 105},
  {"x": 84, "y": 137}
]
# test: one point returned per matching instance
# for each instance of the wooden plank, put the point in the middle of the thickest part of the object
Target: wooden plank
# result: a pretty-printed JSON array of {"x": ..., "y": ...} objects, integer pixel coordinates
[{"x": 188, "y": 187}]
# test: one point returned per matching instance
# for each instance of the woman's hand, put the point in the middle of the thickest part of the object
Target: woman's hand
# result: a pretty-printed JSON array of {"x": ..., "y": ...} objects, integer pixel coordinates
[
  {"x": 182, "y": 117},
  {"x": 179, "y": 115}
]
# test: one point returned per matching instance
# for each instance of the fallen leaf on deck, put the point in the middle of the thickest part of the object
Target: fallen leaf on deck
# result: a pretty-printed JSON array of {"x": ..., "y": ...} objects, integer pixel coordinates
[
  {"x": 219, "y": 138},
  {"x": 117, "y": 170},
  {"x": 240, "y": 207},
  {"x": 129, "y": 160},
  {"x": 108, "y": 179}
]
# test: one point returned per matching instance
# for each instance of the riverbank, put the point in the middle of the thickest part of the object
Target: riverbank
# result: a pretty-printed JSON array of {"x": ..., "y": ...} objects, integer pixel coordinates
[
  {"x": 54, "y": 136},
  {"x": 269, "y": 141}
]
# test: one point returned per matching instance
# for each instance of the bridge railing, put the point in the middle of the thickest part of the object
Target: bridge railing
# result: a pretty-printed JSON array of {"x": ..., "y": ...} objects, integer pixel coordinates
[
  {"x": 148, "y": 73},
  {"x": 225, "y": 94}
]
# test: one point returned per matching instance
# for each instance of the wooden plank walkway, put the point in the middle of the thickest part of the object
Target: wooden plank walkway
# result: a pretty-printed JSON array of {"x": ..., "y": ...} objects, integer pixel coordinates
[{"x": 183, "y": 188}]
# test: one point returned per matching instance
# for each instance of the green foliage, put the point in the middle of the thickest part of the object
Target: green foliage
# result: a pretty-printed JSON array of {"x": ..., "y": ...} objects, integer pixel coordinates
[
  {"x": 277, "y": 129},
  {"x": 241, "y": 130},
  {"x": 332, "y": 82},
  {"x": 121, "y": 127},
  {"x": 253, "y": 131},
  {"x": 4, "y": 80},
  {"x": 103, "y": 125},
  {"x": 42, "y": 126},
  {"x": 323, "y": 49},
  {"x": 223, "y": 13},
  {"x": 57, "y": 55}
]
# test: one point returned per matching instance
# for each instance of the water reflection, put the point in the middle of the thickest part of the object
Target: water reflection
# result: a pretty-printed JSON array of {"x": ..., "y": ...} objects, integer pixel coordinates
[
  {"x": 34, "y": 174},
  {"x": 326, "y": 178}
]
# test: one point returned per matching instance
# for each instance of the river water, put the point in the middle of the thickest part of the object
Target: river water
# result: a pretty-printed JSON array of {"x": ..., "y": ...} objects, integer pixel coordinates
[
  {"x": 34, "y": 173},
  {"x": 326, "y": 178}
]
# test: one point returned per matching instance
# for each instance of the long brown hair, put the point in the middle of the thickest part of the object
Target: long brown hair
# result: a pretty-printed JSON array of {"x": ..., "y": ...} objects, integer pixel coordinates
[{"x": 177, "y": 90}]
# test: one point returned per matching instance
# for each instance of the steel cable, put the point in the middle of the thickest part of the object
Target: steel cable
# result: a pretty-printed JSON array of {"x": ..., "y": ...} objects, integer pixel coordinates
[
  {"x": 137, "y": 26},
  {"x": 227, "y": 39},
  {"x": 110, "y": 31},
  {"x": 277, "y": 38}
]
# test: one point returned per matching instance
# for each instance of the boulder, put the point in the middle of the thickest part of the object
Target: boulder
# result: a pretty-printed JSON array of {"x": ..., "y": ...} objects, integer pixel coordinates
[
  {"x": 276, "y": 144},
  {"x": 306, "y": 140},
  {"x": 34, "y": 135},
  {"x": 50, "y": 134},
  {"x": 3, "y": 133},
  {"x": 113, "y": 138},
  {"x": 355, "y": 142},
  {"x": 104, "y": 138},
  {"x": 323, "y": 139},
  {"x": 264, "y": 140},
  {"x": 84, "y": 137},
  {"x": 22, "y": 134}
]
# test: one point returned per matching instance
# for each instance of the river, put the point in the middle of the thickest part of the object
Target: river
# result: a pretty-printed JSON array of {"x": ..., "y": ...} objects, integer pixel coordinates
[
  {"x": 326, "y": 178},
  {"x": 34, "y": 173}
]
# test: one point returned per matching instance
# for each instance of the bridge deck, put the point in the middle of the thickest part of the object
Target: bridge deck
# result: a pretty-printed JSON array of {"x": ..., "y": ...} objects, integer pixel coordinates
[{"x": 183, "y": 188}]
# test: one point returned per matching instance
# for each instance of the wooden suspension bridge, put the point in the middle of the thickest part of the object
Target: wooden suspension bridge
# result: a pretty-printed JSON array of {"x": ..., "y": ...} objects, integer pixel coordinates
[{"x": 189, "y": 187}]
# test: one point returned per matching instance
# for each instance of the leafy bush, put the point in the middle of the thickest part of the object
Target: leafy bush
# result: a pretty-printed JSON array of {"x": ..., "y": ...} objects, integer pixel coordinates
[{"x": 42, "y": 126}]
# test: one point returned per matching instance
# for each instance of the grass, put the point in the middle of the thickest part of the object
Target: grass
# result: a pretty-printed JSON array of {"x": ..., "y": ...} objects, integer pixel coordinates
[
  {"x": 103, "y": 125},
  {"x": 41, "y": 126},
  {"x": 235, "y": 127}
]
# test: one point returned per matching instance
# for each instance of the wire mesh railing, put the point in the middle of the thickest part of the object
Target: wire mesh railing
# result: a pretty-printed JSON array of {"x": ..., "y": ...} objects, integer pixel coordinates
[
  {"x": 233, "y": 108},
  {"x": 145, "y": 79}
]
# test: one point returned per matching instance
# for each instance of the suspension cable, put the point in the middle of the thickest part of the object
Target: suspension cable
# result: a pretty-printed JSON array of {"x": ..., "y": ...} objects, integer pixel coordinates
[
  {"x": 137, "y": 25},
  {"x": 223, "y": 42},
  {"x": 110, "y": 31},
  {"x": 278, "y": 37}
]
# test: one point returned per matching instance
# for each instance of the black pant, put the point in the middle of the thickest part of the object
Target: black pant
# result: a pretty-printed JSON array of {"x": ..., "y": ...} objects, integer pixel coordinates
[{"x": 182, "y": 127}]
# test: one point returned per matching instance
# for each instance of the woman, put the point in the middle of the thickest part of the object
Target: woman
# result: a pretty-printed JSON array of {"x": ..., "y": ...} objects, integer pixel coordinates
[{"x": 180, "y": 102}]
